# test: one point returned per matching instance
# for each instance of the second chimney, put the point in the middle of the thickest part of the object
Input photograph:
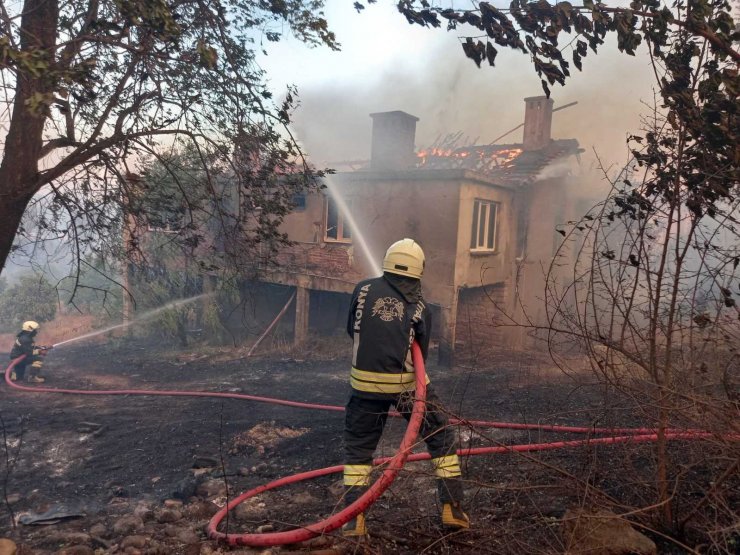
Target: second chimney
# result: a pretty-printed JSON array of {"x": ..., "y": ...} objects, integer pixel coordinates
[
  {"x": 394, "y": 134},
  {"x": 537, "y": 122}
]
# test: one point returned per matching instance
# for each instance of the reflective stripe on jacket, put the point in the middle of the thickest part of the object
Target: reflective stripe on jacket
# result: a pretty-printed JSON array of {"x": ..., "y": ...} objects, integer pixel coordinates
[{"x": 382, "y": 382}]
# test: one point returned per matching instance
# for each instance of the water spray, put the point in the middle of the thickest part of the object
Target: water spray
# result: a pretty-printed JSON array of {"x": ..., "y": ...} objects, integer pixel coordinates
[
  {"x": 356, "y": 231},
  {"x": 144, "y": 316}
]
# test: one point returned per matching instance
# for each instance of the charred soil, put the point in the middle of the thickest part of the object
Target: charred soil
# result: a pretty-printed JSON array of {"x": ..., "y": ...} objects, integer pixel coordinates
[{"x": 146, "y": 473}]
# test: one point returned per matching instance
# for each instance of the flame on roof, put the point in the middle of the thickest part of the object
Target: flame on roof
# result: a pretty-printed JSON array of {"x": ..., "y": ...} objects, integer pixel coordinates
[{"x": 484, "y": 159}]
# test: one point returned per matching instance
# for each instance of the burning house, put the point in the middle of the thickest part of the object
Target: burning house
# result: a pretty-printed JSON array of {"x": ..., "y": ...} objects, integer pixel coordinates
[{"x": 485, "y": 215}]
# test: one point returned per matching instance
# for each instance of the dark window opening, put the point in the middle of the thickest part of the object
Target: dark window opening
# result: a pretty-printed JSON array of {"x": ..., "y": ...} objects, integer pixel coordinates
[
  {"x": 337, "y": 228},
  {"x": 299, "y": 202}
]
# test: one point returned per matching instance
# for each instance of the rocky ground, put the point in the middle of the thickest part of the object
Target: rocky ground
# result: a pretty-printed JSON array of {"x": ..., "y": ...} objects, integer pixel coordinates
[{"x": 145, "y": 474}]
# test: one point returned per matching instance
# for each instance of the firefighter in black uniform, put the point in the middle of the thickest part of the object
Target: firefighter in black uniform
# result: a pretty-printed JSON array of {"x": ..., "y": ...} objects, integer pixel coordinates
[
  {"x": 386, "y": 315},
  {"x": 25, "y": 345}
]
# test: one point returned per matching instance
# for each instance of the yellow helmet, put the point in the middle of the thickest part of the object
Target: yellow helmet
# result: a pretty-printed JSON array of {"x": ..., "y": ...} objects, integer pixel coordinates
[
  {"x": 404, "y": 258},
  {"x": 30, "y": 325}
]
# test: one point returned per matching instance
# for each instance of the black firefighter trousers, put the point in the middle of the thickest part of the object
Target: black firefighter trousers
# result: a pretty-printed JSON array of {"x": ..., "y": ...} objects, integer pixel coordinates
[{"x": 364, "y": 423}]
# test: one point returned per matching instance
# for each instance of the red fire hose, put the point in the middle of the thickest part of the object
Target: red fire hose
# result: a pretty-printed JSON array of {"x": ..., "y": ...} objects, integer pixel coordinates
[
  {"x": 335, "y": 408},
  {"x": 338, "y": 519},
  {"x": 395, "y": 463},
  {"x": 161, "y": 392}
]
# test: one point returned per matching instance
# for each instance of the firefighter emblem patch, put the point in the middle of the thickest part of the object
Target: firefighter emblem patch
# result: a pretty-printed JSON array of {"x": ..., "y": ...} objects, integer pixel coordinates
[{"x": 388, "y": 308}]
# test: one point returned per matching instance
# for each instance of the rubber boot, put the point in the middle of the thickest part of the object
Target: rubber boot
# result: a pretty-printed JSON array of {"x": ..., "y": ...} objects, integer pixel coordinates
[
  {"x": 355, "y": 527},
  {"x": 34, "y": 373},
  {"x": 451, "y": 496}
]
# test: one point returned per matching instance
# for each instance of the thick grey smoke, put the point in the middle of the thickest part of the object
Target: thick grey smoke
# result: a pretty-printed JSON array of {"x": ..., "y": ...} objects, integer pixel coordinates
[{"x": 449, "y": 95}]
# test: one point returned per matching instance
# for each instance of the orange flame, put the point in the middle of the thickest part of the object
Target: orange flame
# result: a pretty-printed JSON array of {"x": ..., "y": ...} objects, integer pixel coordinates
[{"x": 490, "y": 158}]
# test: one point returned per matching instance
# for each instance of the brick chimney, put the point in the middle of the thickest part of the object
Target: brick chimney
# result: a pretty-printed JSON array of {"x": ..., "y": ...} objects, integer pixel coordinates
[
  {"x": 394, "y": 134},
  {"x": 537, "y": 122}
]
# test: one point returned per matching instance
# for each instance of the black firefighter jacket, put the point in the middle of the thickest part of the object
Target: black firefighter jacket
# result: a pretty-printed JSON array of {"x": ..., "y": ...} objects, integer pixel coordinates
[
  {"x": 24, "y": 345},
  {"x": 386, "y": 315}
]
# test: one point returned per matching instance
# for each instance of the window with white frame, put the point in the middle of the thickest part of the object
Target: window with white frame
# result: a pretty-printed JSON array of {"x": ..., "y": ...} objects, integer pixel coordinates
[
  {"x": 485, "y": 222},
  {"x": 337, "y": 228}
]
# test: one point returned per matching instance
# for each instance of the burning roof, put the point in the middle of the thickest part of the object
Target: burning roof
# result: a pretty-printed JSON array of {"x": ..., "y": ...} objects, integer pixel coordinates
[
  {"x": 393, "y": 148},
  {"x": 509, "y": 163},
  {"x": 480, "y": 158}
]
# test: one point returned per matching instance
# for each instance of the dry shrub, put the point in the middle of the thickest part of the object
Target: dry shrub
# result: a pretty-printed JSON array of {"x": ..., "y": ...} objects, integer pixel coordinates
[{"x": 63, "y": 327}]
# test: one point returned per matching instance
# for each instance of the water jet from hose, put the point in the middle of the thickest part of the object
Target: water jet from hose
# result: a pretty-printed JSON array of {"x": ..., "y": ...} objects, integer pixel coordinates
[{"x": 142, "y": 317}]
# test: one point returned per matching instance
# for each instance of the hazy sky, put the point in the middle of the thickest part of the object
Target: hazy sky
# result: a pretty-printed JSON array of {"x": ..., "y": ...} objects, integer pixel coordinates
[{"x": 387, "y": 64}]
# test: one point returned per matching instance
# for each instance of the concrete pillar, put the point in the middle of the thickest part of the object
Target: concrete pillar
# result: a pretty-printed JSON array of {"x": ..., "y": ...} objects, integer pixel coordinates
[
  {"x": 300, "y": 334},
  {"x": 208, "y": 291},
  {"x": 448, "y": 327},
  {"x": 128, "y": 309}
]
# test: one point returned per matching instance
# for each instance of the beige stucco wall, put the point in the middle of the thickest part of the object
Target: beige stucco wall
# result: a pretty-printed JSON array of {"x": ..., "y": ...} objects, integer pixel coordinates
[
  {"x": 391, "y": 206},
  {"x": 305, "y": 225},
  {"x": 435, "y": 208},
  {"x": 545, "y": 206},
  {"x": 388, "y": 206},
  {"x": 482, "y": 268}
]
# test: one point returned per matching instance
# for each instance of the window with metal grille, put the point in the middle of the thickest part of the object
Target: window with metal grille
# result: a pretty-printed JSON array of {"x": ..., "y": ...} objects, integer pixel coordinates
[{"x": 485, "y": 221}]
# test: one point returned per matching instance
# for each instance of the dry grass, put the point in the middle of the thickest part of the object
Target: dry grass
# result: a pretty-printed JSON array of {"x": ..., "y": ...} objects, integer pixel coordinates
[
  {"x": 262, "y": 437},
  {"x": 63, "y": 327}
]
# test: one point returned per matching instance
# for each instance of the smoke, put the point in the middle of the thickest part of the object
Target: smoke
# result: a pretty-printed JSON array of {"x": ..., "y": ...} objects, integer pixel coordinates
[
  {"x": 450, "y": 94},
  {"x": 559, "y": 168}
]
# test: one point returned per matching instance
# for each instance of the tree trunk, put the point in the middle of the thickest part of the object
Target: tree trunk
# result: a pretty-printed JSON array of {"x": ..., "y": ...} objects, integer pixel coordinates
[
  {"x": 19, "y": 170},
  {"x": 10, "y": 218}
]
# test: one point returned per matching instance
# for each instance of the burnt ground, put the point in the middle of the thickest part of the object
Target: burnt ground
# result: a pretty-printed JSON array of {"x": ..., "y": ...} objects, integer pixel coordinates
[{"x": 129, "y": 462}]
